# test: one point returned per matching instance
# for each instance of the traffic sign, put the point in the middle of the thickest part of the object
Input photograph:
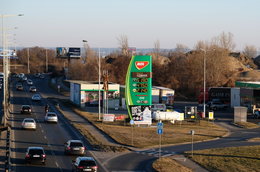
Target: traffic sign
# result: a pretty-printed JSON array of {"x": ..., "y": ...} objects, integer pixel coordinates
[
  {"x": 159, "y": 131},
  {"x": 159, "y": 125}
]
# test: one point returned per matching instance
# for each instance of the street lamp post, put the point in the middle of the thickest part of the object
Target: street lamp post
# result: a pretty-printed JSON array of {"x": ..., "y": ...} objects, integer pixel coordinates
[
  {"x": 5, "y": 66},
  {"x": 99, "y": 73},
  {"x": 204, "y": 83}
]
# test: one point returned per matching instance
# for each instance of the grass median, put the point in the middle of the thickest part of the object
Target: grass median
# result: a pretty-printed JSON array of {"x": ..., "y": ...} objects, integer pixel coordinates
[
  {"x": 122, "y": 131},
  {"x": 242, "y": 159},
  {"x": 168, "y": 164}
]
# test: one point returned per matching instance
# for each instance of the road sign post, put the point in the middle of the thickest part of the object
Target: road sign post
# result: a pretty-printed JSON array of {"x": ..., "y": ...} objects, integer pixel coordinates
[
  {"x": 160, "y": 132},
  {"x": 132, "y": 126},
  {"x": 192, "y": 132}
]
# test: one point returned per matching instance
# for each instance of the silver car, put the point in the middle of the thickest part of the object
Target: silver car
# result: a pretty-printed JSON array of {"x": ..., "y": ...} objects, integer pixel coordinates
[
  {"x": 51, "y": 117},
  {"x": 29, "y": 123},
  {"x": 74, "y": 147}
]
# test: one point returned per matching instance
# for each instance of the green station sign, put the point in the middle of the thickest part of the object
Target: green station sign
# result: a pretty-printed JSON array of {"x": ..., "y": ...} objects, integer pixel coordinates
[{"x": 139, "y": 89}]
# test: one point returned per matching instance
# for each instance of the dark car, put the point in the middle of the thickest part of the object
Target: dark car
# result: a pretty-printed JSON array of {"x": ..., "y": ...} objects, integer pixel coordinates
[
  {"x": 84, "y": 164},
  {"x": 26, "y": 109},
  {"x": 74, "y": 147},
  {"x": 19, "y": 87},
  {"x": 35, "y": 154},
  {"x": 257, "y": 114}
]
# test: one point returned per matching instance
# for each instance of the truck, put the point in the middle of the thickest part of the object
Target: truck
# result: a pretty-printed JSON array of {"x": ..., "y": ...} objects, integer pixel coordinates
[{"x": 221, "y": 93}]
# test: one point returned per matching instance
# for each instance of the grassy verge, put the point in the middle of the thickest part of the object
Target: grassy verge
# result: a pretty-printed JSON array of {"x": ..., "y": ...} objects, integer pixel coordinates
[
  {"x": 248, "y": 125},
  {"x": 167, "y": 165},
  {"x": 121, "y": 131},
  {"x": 96, "y": 144},
  {"x": 242, "y": 159}
]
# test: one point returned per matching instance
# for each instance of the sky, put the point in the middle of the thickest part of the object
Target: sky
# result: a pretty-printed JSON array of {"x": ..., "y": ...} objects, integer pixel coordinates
[{"x": 55, "y": 23}]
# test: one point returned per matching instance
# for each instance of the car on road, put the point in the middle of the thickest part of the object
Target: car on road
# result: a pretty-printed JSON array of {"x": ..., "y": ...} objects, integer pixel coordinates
[
  {"x": 51, "y": 117},
  {"x": 26, "y": 109},
  {"x": 19, "y": 87},
  {"x": 32, "y": 89},
  {"x": 29, "y": 123},
  {"x": 84, "y": 164},
  {"x": 36, "y": 97},
  {"x": 35, "y": 154},
  {"x": 42, "y": 76},
  {"x": 74, "y": 147},
  {"x": 29, "y": 82}
]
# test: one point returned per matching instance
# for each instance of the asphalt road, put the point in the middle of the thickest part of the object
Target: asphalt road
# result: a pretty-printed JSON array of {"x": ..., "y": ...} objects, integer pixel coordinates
[
  {"x": 49, "y": 136},
  {"x": 52, "y": 137}
]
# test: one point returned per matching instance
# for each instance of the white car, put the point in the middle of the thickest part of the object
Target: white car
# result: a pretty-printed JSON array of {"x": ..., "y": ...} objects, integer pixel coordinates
[
  {"x": 51, "y": 117},
  {"x": 29, "y": 123},
  {"x": 32, "y": 89},
  {"x": 29, "y": 82},
  {"x": 36, "y": 97}
]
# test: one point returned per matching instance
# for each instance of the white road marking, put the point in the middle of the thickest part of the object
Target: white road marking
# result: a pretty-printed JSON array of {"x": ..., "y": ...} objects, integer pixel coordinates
[{"x": 57, "y": 164}]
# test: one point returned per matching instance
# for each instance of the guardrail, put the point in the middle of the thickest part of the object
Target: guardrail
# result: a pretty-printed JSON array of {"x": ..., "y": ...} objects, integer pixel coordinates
[{"x": 8, "y": 151}]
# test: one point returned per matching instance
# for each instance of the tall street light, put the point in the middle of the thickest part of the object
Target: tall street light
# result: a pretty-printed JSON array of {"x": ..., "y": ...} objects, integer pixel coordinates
[
  {"x": 204, "y": 83},
  {"x": 99, "y": 93},
  {"x": 5, "y": 64}
]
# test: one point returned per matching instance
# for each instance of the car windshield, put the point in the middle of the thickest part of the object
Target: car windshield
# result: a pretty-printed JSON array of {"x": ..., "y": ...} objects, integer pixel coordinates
[
  {"x": 29, "y": 120},
  {"x": 87, "y": 163},
  {"x": 26, "y": 107},
  {"x": 76, "y": 144},
  {"x": 36, "y": 151},
  {"x": 51, "y": 115}
]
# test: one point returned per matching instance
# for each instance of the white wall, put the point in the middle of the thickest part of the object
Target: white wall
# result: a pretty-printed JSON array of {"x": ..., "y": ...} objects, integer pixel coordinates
[{"x": 235, "y": 97}]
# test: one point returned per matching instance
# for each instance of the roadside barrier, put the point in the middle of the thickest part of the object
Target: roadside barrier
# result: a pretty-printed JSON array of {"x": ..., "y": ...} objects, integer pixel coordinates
[{"x": 8, "y": 151}]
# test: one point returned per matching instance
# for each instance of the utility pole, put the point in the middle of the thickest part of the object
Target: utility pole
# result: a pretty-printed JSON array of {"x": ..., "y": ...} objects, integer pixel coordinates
[
  {"x": 28, "y": 60},
  {"x": 5, "y": 68},
  {"x": 46, "y": 61},
  {"x": 99, "y": 107}
]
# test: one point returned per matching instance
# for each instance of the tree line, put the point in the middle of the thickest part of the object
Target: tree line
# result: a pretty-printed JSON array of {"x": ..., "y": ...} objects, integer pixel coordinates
[{"x": 181, "y": 69}]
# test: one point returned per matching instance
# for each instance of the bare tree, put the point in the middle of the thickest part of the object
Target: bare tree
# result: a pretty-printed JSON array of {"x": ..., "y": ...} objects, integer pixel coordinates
[
  {"x": 123, "y": 43},
  {"x": 250, "y": 51},
  {"x": 157, "y": 49},
  {"x": 226, "y": 41},
  {"x": 180, "y": 48}
]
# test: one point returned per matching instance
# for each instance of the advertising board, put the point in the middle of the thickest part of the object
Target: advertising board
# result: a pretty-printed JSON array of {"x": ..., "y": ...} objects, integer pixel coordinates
[{"x": 138, "y": 89}]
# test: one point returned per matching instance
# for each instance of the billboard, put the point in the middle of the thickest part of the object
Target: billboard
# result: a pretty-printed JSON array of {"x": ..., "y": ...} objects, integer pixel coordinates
[
  {"x": 71, "y": 52},
  {"x": 61, "y": 52},
  {"x": 138, "y": 91},
  {"x": 74, "y": 53}
]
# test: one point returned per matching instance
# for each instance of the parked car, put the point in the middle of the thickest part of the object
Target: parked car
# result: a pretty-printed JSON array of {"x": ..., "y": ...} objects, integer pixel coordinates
[
  {"x": 29, "y": 123},
  {"x": 29, "y": 82},
  {"x": 51, "y": 117},
  {"x": 216, "y": 105},
  {"x": 35, "y": 154},
  {"x": 32, "y": 89},
  {"x": 84, "y": 164},
  {"x": 26, "y": 109},
  {"x": 74, "y": 147},
  {"x": 257, "y": 114},
  {"x": 19, "y": 87},
  {"x": 36, "y": 97}
]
